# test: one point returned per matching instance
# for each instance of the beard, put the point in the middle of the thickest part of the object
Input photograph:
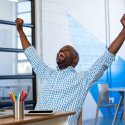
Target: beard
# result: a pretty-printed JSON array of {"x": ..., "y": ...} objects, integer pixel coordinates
[
  {"x": 64, "y": 63},
  {"x": 60, "y": 61},
  {"x": 64, "y": 60},
  {"x": 61, "y": 58}
]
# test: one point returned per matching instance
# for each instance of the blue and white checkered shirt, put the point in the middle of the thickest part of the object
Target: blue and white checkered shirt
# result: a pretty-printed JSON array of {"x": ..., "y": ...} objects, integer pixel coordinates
[{"x": 65, "y": 90}]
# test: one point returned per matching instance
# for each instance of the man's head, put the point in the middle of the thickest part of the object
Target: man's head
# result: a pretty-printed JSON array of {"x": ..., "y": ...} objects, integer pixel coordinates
[{"x": 67, "y": 56}]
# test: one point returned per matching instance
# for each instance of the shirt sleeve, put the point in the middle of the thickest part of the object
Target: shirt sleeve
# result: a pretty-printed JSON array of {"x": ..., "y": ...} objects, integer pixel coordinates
[
  {"x": 98, "y": 68},
  {"x": 39, "y": 67}
]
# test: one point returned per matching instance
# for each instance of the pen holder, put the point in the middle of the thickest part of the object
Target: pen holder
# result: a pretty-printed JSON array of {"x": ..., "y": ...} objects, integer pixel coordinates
[{"x": 18, "y": 110}]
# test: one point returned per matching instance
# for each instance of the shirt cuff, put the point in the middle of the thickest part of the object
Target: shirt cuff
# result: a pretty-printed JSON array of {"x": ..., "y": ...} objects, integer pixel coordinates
[
  {"x": 109, "y": 57},
  {"x": 109, "y": 53},
  {"x": 32, "y": 56},
  {"x": 28, "y": 50}
]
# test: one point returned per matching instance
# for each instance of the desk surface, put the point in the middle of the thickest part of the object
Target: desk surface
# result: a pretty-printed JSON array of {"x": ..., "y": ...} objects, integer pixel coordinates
[{"x": 31, "y": 119}]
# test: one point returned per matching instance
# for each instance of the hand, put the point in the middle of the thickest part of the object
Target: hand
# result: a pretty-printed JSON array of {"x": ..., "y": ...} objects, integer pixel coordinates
[
  {"x": 123, "y": 21},
  {"x": 19, "y": 24}
]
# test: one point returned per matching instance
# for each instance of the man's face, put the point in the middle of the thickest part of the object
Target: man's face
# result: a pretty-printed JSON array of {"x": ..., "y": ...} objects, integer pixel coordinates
[{"x": 65, "y": 57}]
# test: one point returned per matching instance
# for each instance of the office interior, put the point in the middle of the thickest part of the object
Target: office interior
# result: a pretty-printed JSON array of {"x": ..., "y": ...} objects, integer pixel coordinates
[{"x": 90, "y": 26}]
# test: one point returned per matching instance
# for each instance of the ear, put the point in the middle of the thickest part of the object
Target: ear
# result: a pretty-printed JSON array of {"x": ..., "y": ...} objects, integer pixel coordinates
[{"x": 75, "y": 61}]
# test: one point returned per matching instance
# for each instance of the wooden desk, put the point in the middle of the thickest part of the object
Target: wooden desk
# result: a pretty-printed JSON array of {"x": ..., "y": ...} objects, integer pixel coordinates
[{"x": 59, "y": 118}]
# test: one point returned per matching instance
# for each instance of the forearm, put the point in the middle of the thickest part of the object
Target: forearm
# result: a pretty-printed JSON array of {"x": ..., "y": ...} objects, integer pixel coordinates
[
  {"x": 24, "y": 41},
  {"x": 117, "y": 43},
  {"x": 99, "y": 67}
]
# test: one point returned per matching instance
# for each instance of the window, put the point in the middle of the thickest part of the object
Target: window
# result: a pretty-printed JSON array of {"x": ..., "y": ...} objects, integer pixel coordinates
[
  {"x": 16, "y": 73},
  {"x": 24, "y": 12}
]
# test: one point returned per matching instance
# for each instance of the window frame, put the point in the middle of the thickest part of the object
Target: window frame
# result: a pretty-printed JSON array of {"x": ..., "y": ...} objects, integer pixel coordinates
[{"x": 16, "y": 50}]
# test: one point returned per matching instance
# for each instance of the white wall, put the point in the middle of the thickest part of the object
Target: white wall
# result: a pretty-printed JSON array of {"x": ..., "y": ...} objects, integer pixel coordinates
[{"x": 54, "y": 31}]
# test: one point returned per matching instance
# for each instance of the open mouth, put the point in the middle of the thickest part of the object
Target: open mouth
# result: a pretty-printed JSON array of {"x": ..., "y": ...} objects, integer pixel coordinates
[{"x": 61, "y": 56}]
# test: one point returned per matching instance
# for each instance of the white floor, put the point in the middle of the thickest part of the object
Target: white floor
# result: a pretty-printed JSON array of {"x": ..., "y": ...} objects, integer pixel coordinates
[{"x": 102, "y": 121}]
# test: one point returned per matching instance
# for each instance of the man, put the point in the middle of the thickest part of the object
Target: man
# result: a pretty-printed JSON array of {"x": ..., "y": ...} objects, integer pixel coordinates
[{"x": 65, "y": 89}]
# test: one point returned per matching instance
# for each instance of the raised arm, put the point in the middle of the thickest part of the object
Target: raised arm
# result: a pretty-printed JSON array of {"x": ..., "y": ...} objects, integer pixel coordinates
[
  {"x": 117, "y": 43},
  {"x": 104, "y": 61},
  {"x": 24, "y": 41},
  {"x": 40, "y": 68}
]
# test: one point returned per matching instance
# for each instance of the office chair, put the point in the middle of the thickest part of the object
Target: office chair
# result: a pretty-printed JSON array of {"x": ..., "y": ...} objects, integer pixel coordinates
[{"x": 103, "y": 100}]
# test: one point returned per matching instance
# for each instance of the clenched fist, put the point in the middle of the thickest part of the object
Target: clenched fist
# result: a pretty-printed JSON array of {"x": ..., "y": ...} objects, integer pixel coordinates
[
  {"x": 123, "y": 20},
  {"x": 19, "y": 24}
]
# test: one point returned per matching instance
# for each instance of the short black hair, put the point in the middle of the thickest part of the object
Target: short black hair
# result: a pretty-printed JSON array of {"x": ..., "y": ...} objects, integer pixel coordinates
[{"x": 75, "y": 52}]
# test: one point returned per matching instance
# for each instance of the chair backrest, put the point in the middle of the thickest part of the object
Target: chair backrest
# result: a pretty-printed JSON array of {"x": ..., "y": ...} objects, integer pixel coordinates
[
  {"x": 80, "y": 119},
  {"x": 103, "y": 95}
]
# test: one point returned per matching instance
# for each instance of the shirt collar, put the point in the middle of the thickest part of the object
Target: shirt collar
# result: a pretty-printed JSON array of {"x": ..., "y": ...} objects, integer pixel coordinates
[{"x": 70, "y": 68}]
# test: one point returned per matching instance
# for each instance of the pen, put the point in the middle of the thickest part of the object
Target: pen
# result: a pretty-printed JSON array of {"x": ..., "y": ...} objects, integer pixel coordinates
[
  {"x": 23, "y": 95},
  {"x": 19, "y": 97},
  {"x": 12, "y": 96}
]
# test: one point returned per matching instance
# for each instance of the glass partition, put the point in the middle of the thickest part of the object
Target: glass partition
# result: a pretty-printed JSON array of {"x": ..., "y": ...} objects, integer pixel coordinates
[{"x": 15, "y": 70}]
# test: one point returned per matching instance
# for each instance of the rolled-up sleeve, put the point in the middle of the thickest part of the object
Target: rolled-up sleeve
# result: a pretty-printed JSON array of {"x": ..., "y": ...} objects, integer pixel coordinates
[
  {"x": 98, "y": 68},
  {"x": 39, "y": 67}
]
